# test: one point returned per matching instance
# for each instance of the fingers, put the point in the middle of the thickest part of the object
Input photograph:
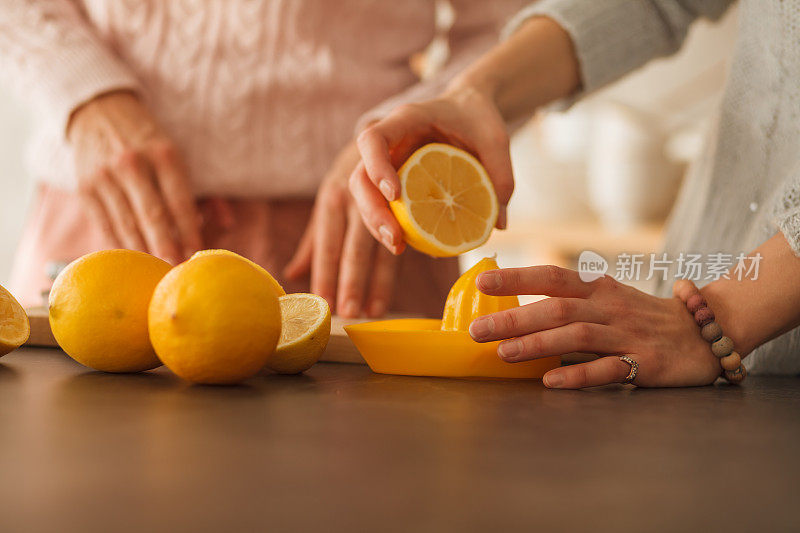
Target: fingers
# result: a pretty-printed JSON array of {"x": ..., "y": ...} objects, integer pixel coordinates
[
  {"x": 300, "y": 263},
  {"x": 328, "y": 243},
  {"x": 495, "y": 156},
  {"x": 374, "y": 149},
  {"x": 354, "y": 267},
  {"x": 177, "y": 192},
  {"x": 542, "y": 315},
  {"x": 152, "y": 214},
  {"x": 549, "y": 280},
  {"x": 98, "y": 213},
  {"x": 574, "y": 337},
  {"x": 119, "y": 212},
  {"x": 592, "y": 374},
  {"x": 384, "y": 269},
  {"x": 375, "y": 212}
]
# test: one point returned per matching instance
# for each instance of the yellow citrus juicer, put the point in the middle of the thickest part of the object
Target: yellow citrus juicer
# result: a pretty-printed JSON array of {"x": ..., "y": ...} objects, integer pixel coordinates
[{"x": 444, "y": 348}]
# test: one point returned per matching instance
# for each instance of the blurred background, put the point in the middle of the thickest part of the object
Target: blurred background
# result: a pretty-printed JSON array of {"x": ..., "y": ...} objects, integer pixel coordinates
[
  {"x": 601, "y": 175},
  {"x": 15, "y": 185}
]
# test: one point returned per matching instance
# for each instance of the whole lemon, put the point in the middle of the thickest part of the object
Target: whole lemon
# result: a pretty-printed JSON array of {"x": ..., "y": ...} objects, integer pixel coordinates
[
  {"x": 214, "y": 319},
  {"x": 98, "y": 309}
]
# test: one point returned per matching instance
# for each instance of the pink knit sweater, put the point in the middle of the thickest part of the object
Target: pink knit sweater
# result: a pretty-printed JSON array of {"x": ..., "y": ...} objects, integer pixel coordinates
[{"x": 258, "y": 94}]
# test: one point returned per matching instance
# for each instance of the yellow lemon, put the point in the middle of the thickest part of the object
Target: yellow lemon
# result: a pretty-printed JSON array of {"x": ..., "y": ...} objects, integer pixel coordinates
[
  {"x": 214, "y": 319},
  {"x": 14, "y": 326},
  {"x": 275, "y": 285},
  {"x": 465, "y": 302},
  {"x": 447, "y": 203},
  {"x": 304, "y": 334},
  {"x": 98, "y": 309}
]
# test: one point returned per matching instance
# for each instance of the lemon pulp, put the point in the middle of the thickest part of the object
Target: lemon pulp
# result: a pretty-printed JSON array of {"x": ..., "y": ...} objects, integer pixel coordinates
[
  {"x": 447, "y": 204},
  {"x": 305, "y": 333}
]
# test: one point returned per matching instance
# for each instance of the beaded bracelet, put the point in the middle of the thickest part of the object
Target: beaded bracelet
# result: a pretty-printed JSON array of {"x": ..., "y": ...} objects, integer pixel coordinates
[{"x": 732, "y": 368}]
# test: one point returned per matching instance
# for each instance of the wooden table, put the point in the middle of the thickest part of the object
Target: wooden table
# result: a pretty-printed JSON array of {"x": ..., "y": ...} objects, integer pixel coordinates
[{"x": 343, "y": 449}]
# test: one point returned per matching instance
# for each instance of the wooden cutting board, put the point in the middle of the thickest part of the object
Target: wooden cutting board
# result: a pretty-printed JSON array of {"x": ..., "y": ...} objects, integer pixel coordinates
[{"x": 340, "y": 349}]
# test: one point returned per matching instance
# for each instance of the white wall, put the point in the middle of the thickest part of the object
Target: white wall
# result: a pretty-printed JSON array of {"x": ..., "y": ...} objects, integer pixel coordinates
[{"x": 15, "y": 184}]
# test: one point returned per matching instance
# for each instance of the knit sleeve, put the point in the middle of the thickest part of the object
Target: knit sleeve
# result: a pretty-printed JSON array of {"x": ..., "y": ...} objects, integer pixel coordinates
[
  {"x": 786, "y": 213},
  {"x": 475, "y": 29},
  {"x": 52, "y": 58},
  {"x": 614, "y": 37}
]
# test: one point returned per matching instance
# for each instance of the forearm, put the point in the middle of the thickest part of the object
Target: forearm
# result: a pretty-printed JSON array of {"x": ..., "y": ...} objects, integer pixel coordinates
[
  {"x": 754, "y": 311},
  {"x": 536, "y": 65}
]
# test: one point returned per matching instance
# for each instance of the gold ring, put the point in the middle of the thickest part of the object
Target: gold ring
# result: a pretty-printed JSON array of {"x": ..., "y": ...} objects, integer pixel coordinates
[{"x": 634, "y": 368}]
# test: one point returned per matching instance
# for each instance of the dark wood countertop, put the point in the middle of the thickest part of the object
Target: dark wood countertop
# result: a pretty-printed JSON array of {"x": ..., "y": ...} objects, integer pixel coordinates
[{"x": 343, "y": 449}]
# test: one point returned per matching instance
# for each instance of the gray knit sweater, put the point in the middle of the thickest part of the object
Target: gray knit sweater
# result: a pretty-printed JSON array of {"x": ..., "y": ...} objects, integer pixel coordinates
[{"x": 746, "y": 186}]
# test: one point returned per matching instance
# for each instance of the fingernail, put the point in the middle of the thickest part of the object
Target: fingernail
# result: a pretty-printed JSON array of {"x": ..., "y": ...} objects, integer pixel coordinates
[
  {"x": 489, "y": 281},
  {"x": 553, "y": 380},
  {"x": 387, "y": 190},
  {"x": 377, "y": 308},
  {"x": 481, "y": 328},
  {"x": 387, "y": 237},
  {"x": 510, "y": 349},
  {"x": 350, "y": 309}
]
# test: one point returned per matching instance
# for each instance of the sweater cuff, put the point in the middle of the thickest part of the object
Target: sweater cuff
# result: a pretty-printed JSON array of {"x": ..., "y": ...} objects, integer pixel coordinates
[{"x": 80, "y": 75}]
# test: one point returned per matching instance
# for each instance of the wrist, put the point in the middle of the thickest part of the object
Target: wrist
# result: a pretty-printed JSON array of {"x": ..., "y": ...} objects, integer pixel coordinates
[
  {"x": 469, "y": 85},
  {"x": 474, "y": 99},
  {"x": 729, "y": 314},
  {"x": 95, "y": 104}
]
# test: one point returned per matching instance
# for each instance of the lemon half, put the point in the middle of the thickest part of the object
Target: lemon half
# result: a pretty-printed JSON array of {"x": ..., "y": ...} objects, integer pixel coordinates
[
  {"x": 447, "y": 203},
  {"x": 14, "y": 326},
  {"x": 304, "y": 334}
]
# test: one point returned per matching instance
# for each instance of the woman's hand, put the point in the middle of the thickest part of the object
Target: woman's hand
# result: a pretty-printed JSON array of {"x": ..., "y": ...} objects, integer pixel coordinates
[
  {"x": 347, "y": 268},
  {"x": 464, "y": 118},
  {"x": 603, "y": 317},
  {"x": 132, "y": 179}
]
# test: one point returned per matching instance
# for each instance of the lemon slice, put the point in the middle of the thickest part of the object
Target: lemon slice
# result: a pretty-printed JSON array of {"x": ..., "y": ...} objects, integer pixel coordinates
[
  {"x": 304, "y": 334},
  {"x": 275, "y": 285},
  {"x": 447, "y": 204},
  {"x": 14, "y": 326}
]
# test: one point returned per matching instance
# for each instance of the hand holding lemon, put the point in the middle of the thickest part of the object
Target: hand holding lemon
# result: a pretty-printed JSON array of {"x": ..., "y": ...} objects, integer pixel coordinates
[
  {"x": 465, "y": 119},
  {"x": 446, "y": 205}
]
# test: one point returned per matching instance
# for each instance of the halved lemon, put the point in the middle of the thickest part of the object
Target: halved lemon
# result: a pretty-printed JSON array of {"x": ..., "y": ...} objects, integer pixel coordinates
[
  {"x": 304, "y": 334},
  {"x": 447, "y": 203},
  {"x": 14, "y": 326},
  {"x": 275, "y": 285}
]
